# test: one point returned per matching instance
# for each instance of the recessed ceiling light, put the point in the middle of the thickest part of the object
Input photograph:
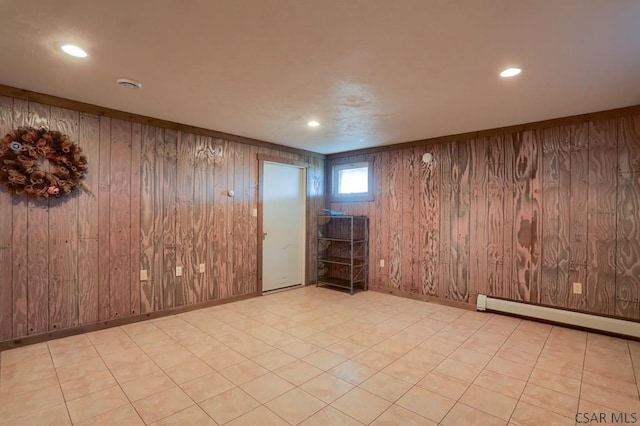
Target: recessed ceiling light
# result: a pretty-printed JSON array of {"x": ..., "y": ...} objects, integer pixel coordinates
[
  {"x": 313, "y": 124},
  {"x": 510, "y": 72},
  {"x": 129, "y": 83},
  {"x": 72, "y": 50}
]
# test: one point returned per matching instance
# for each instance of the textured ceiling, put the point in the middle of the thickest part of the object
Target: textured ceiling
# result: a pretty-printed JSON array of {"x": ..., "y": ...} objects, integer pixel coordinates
[{"x": 373, "y": 72}]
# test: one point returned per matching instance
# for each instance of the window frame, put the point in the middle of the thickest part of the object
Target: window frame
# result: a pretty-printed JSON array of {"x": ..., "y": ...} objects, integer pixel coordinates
[{"x": 334, "y": 184}]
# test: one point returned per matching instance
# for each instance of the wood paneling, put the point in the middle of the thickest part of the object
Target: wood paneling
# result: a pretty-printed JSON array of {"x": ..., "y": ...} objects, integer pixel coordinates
[
  {"x": 156, "y": 199},
  {"x": 520, "y": 216}
]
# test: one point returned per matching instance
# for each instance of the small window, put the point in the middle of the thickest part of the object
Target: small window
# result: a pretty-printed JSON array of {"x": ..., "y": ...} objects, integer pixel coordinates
[{"x": 352, "y": 182}]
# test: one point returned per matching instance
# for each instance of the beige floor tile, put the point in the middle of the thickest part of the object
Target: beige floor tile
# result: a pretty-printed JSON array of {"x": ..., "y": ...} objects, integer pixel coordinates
[
  {"x": 125, "y": 415},
  {"x": 459, "y": 370},
  {"x": 609, "y": 398},
  {"x": 96, "y": 403},
  {"x": 386, "y": 386},
  {"x": 367, "y": 339},
  {"x": 162, "y": 404},
  {"x": 18, "y": 355},
  {"x": 560, "y": 403},
  {"x": 267, "y": 387},
  {"x": 80, "y": 369},
  {"x": 426, "y": 403},
  {"x": 563, "y": 384},
  {"x": 462, "y": 414},
  {"x": 361, "y": 405},
  {"x": 147, "y": 385},
  {"x": 471, "y": 357},
  {"x": 408, "y": 370},
  {"x": 171, "y": 359},
  {"x": 346, "y": 348},
  {"x": 626, "y": 387},
  {"x": 324, "y": 359},
  {"x": 298, "y": 372},
  {"x": 187, "y": 371},
  {"x": 326, "y": 387},
  {"x": 530, "y": 415},
  {"x": 229, "y": 405},
  {"x": 295, "y": 406},
  {"x": 396, "y": 415},
  {"x": 21, "y": 385},
  {"x": 69, "y": 344},
  {"x": 88, "y": 384},
  {"x": 206, "y": 386},
  {"x": 559, "y": 366},
  {"x": 500, "y": 383},
  {"x": 445, "y": 385},
  {"x": 139, "y": 328},
  {"x": 222, "y": 359},
  {"x": 274, "y": 359},
  {"x": 374, "y": 359},
  {"x": 509, "y": 368},
  {"x": 300, "y": 348},
  {"x": 260, "y": 416},
  {"x": 52, "y": 416},
  {"x": 330, "y": 416},
  {"x": 127, "y": 371},
  {"x": 488, "y": 401},
  {"x": 243, "y": 372},
  {"x": 21, "y": 406},
  {"x": 352, "y": 372},
  {"x": 322, "y": 339},
  {"x": 192, "y": 416}
]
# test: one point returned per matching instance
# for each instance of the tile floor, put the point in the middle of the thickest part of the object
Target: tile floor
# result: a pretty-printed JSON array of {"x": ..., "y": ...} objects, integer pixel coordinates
[{"x": 315, "y": 356}]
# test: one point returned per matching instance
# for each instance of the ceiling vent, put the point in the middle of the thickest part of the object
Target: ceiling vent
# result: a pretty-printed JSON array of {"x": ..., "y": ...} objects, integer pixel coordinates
[{"x": 128, "y": 83}]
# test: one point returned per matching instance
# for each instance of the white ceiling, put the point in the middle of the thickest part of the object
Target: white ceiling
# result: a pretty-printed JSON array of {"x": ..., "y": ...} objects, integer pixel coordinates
[{"x": 373, "y": 72}]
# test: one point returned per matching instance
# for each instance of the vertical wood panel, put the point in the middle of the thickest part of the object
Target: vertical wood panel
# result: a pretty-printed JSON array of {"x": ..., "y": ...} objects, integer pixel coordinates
[
  {"x": 157, "y": 274},
  {"x": 462, "y": 201},
  {"x": 238, "y": 221},
  {"x": 134, "y": 274},
  {"x": 495, "y": 215},
  {"x": 199, "y": 253},
  {"x": 104, "y": 209},
  {"x": 429, "y": 216},
  {"x": 210, "y": 231},
  {"x": 628, "y": 245},
  {"x": 578, "y": 223},
  {"x": 395, "y": 219},
  {"x": 184, "y": 220},
  {"x": 6, "y": 235},
  {"x": 228, "y": 220},
  {"x": 88, "y": 253},
  {"x": 508, "y": 275},
  {"x": 169, "y": 213},
  {"x": 478, "y": 274},
  {"x": 381, "y": 212},
  {"x": 601, "y": 242},
  {"x": 220, "y": 201},
  {"x": 63, "y": 240},
  {"x": 629, "y": 145},
  {"x": 446, "y": 283},
  {"x": 147, "y": 204},
  {"x": 120, "y": 219},
  {"x": 34, "y": 272},
  {"x": 408, "y": 234}
]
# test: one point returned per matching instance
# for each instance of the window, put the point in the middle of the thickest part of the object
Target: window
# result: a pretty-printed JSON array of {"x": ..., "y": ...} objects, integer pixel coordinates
[{"x": 352, "y": 182}]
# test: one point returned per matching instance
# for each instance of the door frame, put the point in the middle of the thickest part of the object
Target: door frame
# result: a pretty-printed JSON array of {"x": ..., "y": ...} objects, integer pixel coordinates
[{"x": 301, "y": 165}]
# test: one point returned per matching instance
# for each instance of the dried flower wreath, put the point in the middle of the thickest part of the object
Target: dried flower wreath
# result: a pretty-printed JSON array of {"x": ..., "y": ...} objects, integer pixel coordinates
[{"x": 22, "y": 154}]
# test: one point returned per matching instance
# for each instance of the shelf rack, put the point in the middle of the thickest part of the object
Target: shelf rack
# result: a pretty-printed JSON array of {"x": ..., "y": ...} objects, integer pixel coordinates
[{"x": 342, "y": 251}]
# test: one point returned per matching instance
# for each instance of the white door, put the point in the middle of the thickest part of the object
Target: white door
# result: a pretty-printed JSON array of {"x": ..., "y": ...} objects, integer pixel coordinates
[{"x": 283, "y": 222}]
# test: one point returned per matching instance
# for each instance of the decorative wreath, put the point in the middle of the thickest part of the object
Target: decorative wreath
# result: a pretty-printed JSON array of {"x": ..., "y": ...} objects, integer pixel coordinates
[{"x": 23, "y": 152}]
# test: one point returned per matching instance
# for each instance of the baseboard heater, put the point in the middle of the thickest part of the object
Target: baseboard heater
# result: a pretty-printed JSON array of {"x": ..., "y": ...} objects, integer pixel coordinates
[{"x": 560, "y": 316}]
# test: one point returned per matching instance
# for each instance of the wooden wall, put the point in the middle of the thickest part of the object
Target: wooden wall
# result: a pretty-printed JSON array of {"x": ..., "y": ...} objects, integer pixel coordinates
[
  {"x": 520, "y": 216},
  {"x": 158, "y": 200}
]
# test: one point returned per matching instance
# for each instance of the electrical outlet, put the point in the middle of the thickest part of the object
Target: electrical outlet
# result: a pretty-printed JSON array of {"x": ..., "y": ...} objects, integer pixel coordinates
[
  {"x": 577, "y": 288},
  {"x": 202, "y": 268},
  {"x": 254, "y": 212},
  {"x": 143, "y": 275},
  {"x": 382, "y": 263},
  {"x": 178, "y": 271}
]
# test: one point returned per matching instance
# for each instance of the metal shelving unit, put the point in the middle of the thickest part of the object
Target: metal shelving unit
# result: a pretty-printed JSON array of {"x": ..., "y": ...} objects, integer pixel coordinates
[{"x": 342, "y": 251}]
